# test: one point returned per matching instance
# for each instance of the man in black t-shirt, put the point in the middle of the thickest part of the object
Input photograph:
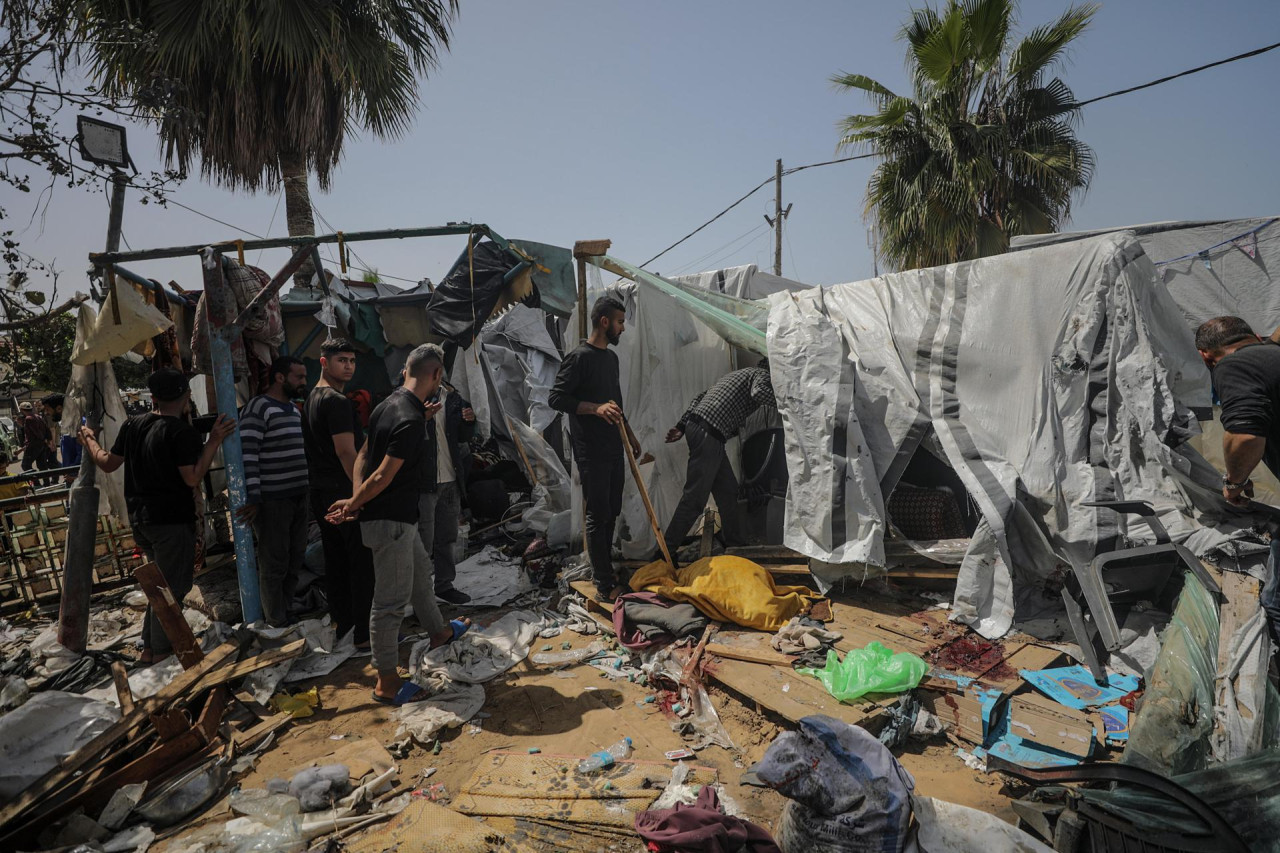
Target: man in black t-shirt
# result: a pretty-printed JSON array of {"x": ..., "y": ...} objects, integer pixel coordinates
[
  {"x": 588, "y": 390},
  {"x": 164, "y": 460},
  {"x": 332, "y": 436},
  {"x": 1246, "y": 377},
  {"x": 385, "y": 499}
]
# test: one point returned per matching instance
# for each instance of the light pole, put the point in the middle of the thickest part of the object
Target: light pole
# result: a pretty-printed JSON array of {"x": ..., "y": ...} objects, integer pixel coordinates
[{"x": 104, "y": 144}]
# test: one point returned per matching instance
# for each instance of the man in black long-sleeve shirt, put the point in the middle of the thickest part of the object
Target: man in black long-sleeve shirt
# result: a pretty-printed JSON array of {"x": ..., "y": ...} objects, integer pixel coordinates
[
  {"x": 587, "y": 389},
  {"x": 1246, "y": 377}
]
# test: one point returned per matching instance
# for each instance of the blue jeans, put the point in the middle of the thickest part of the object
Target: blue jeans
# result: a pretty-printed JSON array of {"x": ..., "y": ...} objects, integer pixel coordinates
[{"x": 1271, "y": 588}]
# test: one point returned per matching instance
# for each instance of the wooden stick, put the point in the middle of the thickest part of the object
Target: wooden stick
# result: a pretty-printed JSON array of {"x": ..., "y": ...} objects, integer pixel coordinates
[
  {"x": 644, "y": 494},
  {"x": 520, "y": 447},
  {"x": 166, "y": 609},
  {"x": 123, "y": 693},
  {"x": 271, "y": 657},
  {"x": 692, "y": 666}
]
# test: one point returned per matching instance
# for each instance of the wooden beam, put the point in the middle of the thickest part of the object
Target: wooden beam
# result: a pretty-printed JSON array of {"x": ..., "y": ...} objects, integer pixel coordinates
[
  {"x": 168, "y": 611},
  {"x": 271, "y": 657},
  {"x": 211, "y": 715},
  {"x": 170, "y": 723},
  {"x": 768, "y": 658},
  {"x": 246, "y": 739}
]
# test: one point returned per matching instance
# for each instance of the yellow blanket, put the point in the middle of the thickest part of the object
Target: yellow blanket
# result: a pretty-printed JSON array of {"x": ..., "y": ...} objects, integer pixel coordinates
[{"x": 727, "y": 589}]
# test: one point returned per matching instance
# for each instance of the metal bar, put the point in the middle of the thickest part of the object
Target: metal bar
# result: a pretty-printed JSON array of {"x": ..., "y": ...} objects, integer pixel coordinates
[
  {"x": 220, "y": 338},
  {"x": 100, "y": 259},
  {"x": 264, "y": 295},
  {"x": 125, "y": 272},
  {"x": 36, "y": 474}
]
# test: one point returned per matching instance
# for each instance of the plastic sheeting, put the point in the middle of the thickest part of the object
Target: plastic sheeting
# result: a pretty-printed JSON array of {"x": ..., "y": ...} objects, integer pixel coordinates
[
  {"x": 107, "y": 401},
  {"x": 118, "y": 329},
  {"x": 523, "y": 361},
  {"x": 48, "y": 728},
  {"x": 1240, "y": 277},
  {"x": 1086, "y": 402}
]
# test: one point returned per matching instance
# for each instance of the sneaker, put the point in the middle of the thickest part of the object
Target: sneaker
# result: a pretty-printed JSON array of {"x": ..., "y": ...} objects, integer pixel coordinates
[{"x": 452, "y": 596}]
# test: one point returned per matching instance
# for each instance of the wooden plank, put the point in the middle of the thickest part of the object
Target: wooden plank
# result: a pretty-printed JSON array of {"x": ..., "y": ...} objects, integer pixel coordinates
[
  {"x": 94, "y": 749},
  {"x": 169, "y": 613},
  {"x": 246, "y": 739},
  {"x": 768, "y": 658},
  {"x": 212, "y": 712},
  {"x": 123, "y": 693},
  {"x": 170, "y": 723},
  {"x": 766, "y": 553},
  {"x": 692, "y": 666},
  {"x": 270, "y": 657},
  {"x": 1040, "y": 720}
]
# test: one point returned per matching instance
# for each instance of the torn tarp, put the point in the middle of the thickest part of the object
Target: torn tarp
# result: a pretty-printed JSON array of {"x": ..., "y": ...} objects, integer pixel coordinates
[
  {"x": 469, "y": 292},
  {"x": 1090, "y": 400}
]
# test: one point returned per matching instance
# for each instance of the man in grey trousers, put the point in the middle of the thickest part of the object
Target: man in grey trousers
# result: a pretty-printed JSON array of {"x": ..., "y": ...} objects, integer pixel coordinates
[
  {"x": 715, "y": 416},
  {"x": 385, "y": 499}
]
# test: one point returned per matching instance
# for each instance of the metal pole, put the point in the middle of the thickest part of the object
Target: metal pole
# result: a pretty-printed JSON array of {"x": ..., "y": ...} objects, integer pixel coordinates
[
  {"x": 224, "y": 383},
  {"x": 777, "y": 220},
  {"x": 82, "y": 511}
]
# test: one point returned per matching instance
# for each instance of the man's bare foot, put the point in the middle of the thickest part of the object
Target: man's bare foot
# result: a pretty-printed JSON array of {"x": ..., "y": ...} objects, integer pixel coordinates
[{"x": 449, "y": 633}]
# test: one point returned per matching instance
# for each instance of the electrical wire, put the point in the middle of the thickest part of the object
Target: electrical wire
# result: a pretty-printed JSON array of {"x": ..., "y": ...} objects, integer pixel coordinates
[
  {"x": 1077, "y": 105},
  {"x": 735, "y": 240}
]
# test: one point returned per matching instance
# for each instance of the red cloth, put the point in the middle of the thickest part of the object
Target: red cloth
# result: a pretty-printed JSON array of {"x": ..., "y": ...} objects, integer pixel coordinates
[{"x": 702, "y": 828}]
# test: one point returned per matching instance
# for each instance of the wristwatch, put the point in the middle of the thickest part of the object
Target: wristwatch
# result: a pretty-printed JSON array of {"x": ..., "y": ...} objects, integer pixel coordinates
[{"x": 1227, "y": 484}]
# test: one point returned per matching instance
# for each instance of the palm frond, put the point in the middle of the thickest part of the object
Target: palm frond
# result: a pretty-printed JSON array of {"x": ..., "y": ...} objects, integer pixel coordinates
[{"x": 1045, "y": 45}]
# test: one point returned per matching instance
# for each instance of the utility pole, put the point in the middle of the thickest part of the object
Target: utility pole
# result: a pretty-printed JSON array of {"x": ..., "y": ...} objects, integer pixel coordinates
[
  {"x": 778, "y": 215},
  {"x": 82, "y": 513}
]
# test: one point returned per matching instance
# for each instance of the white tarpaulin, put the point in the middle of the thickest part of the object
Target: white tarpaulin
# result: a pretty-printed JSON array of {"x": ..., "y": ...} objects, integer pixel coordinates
[{"x": 1048, "y": 378}]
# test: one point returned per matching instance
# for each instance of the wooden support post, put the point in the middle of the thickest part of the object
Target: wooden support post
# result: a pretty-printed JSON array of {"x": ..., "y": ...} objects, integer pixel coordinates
[
  {"x": 582, "y": 250},
  {"x": 170, "y": 615},
  {"x": 644, "y": 494},
  {"x": 533, "y": 475},
  {"x": 708, "y": 532}
]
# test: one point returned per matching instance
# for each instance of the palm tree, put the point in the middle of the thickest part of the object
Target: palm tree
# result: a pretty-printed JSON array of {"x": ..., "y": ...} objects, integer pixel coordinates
[
  {"x": 264, "y": 93},
  {"x": 984, "y": 148}
]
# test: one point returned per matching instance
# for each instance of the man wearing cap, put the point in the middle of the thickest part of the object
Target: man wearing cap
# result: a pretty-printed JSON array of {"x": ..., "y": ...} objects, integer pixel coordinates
[
  {"x": 164, "y": 460},
  {"x": 37, "y": 440}
]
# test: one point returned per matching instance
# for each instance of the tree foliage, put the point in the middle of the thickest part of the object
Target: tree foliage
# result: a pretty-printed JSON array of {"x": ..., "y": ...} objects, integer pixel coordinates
[
  {"x": 984, "y": 148},
  {"x": 253, "y": 80},
  {"x": 41, "y": 91}
]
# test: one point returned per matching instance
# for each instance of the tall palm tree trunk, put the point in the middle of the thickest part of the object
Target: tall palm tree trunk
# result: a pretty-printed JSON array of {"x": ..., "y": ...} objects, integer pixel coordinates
[{"x": 297, "y": 207}]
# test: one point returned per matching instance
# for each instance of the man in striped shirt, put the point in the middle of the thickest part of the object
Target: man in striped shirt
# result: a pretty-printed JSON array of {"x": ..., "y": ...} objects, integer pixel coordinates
[{"x": 275, "y": 475}]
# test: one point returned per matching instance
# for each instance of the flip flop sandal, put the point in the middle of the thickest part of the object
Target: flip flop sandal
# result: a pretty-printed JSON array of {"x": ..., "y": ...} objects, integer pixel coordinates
[{"x": 408, "y": 692}]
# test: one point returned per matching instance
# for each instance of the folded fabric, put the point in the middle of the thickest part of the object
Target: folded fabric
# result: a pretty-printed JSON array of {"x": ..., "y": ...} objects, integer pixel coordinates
[
  {"x": 646, "y": 620},
  {"x": 702, "y": 828},
  {"x": 796, "y": 636},
  {"x": 727, "y": 589}
]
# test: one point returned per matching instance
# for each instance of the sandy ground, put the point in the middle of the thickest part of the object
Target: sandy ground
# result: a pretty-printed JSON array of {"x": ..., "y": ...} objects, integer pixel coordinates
[{"x": 572, "y": 712}]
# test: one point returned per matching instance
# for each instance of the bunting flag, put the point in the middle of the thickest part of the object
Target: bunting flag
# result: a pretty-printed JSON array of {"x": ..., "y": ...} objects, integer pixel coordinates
[{"x": 1248, "y": 244}]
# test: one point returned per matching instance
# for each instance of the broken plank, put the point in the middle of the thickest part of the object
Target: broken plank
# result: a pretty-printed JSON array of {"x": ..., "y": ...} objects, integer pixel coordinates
[
  {"x": 270, "y": 657},
  {"x": 215, "y": 707},
  {"x": 124, "y": 694},
  {"x": 115, "y": 733},
  {"x": 170, "y": 723},
  {"x": 765, "y": 553},
  {"x": 169, "y": 614},
  {"x": 761, "y": 656},
  {"x": 247, "y": 739}
]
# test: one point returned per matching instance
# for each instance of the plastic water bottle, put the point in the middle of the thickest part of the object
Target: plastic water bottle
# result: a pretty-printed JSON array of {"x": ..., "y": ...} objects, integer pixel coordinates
[{"x": 605, "y": 757}]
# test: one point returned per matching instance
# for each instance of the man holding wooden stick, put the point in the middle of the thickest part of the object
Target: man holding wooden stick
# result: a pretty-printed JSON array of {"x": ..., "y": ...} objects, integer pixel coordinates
[{"x": 587, "y": 389}]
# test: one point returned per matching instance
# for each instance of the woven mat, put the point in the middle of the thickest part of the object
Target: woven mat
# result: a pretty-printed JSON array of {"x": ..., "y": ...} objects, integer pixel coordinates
[
  {"x": 427, "y": 827},
  {"x": 547, "y": 787}
]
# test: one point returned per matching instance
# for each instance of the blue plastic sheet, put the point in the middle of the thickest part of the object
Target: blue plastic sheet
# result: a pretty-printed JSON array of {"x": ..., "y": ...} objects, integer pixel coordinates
[{"x": 1074, "y": 686}]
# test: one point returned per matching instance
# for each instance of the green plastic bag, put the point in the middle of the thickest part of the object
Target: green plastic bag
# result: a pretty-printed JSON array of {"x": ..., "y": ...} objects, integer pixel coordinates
[{"x": 874, "y": 669}]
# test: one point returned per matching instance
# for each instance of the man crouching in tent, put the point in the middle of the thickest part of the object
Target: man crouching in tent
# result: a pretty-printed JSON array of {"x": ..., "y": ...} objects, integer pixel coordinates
[
  {"x": 1246, "y": 376},
  {"x": 715, "y": 416}
]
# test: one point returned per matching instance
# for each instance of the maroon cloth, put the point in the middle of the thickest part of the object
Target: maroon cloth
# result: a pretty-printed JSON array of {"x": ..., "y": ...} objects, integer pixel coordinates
[
  {"x": 702, "y": 828},
  {"x": 629, "y": 637}
]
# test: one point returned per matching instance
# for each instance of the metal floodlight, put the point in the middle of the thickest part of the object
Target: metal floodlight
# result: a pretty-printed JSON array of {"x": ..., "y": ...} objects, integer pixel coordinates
[{"x": 102, "y": 142}]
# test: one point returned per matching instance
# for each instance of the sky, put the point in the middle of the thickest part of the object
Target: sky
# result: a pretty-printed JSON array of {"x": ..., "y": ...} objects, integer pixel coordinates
[{"x": 565, "y": 120}]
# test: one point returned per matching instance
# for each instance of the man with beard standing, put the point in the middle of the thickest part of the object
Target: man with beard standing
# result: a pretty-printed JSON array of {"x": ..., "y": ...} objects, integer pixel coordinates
[
  {"x": 275, "y": 477},
  {"x": 588, "y": 390}
]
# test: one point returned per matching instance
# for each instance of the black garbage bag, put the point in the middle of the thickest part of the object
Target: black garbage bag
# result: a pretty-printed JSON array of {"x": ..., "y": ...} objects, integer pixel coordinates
[{"x": 466, "y": 296}]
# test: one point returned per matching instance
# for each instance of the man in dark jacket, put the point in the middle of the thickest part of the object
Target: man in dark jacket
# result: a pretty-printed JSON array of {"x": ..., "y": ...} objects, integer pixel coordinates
[
  {"x": 37, "y": 440},
  {"x": 440, "y": 501}
]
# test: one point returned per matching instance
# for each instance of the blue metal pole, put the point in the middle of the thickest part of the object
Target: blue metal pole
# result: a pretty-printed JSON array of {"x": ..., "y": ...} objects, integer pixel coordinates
[{"x": 224, "y": 385}]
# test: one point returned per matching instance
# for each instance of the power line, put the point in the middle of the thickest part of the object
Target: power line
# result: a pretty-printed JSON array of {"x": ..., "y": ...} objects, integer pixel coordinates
[
  {"x": 1195, "y": 70},
  {"x": 1077, "y": 105}
]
